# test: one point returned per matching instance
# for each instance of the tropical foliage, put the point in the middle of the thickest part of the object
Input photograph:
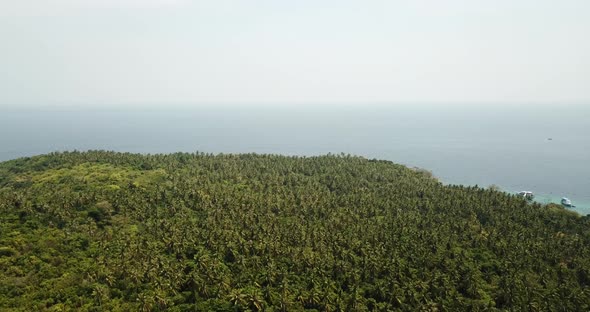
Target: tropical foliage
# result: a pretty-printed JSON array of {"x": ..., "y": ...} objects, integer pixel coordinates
[{"x": 105, "y": 231}]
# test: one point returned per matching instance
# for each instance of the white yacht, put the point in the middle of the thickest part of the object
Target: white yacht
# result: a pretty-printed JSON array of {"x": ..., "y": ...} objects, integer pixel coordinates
[
  {"x": 566, "y": 202},
  {"x": 526, "y": 195}
]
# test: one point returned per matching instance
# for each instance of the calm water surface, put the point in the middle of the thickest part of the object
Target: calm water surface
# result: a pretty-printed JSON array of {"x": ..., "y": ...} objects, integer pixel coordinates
[{"x": 508, "y": 147}]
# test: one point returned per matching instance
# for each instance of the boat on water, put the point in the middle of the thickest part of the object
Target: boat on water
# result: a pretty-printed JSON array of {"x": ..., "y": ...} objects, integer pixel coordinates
[
  {"x": 526, "y": 195},
  {"x": 566, "y": 202}
]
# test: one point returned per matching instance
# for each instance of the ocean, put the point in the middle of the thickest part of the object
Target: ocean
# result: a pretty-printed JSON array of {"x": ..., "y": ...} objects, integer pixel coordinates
[{"x": 543, "y": 149}]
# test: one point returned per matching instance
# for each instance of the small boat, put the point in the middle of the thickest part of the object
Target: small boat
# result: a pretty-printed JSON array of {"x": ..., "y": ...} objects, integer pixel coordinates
[
  {"x": 526, "y": 195},
  {"x": 566, "y": 202}
]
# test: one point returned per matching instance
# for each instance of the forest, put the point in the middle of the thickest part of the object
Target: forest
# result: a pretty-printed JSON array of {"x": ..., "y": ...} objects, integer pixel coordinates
[{"x": 109, "y": 231}]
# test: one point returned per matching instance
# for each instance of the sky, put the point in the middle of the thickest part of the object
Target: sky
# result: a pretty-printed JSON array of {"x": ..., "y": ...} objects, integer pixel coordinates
[{"x": 162, "y": 52}]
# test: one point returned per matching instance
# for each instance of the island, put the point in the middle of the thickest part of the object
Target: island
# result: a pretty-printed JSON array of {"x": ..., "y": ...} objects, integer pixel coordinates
[{"x": 109, "y": 231}]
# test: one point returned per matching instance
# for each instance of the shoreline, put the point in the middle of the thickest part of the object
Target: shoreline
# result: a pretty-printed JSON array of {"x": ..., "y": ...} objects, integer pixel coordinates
[{"x": 581, "y": 207}]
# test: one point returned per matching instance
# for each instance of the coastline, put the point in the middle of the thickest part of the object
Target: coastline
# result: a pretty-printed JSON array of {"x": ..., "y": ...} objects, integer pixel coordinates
[{"x": 581, "y": 207}]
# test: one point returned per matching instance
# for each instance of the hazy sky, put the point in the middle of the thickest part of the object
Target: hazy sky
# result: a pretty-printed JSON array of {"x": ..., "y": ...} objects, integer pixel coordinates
[{"x": 137, "y": 52}]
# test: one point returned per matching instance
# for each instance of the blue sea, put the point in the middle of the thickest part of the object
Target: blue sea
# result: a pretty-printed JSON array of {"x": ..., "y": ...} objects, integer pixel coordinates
[{"x": 543, "y": 149}]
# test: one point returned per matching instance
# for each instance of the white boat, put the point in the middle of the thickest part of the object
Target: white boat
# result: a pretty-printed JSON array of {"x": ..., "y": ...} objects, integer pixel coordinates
[
  {"x": 526, "y": 195},
  {"x": 566, "y": 202}
]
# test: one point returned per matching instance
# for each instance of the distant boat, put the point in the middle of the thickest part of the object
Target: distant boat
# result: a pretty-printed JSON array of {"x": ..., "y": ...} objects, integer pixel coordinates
[
  {"x": 550, "y": 139},
  {"x": 566, "y": 202},
  {"x": 526, "y": 195}
]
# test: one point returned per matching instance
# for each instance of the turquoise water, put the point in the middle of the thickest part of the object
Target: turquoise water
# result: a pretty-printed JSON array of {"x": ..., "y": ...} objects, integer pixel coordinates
[
  {"x": 581, "y": 207},
  {"x": 507, "y": 146}
]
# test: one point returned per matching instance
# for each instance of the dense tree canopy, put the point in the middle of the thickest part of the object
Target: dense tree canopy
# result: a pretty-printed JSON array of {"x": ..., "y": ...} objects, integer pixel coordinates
[{"x": 106, "y": 231}]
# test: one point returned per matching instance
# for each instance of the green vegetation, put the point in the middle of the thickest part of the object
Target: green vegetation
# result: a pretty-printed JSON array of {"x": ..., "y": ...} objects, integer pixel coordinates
[{"x": 105, "y": 231}]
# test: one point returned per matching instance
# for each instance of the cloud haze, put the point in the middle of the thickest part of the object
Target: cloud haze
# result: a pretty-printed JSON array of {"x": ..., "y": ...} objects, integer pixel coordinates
[
  {"x": 56, "y": 7},
  {"x": 157, "y": 51}
]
